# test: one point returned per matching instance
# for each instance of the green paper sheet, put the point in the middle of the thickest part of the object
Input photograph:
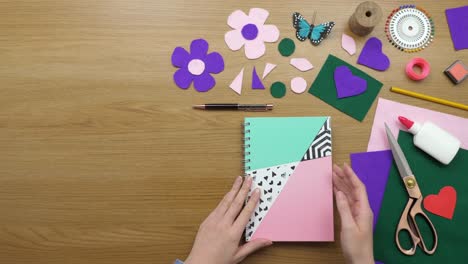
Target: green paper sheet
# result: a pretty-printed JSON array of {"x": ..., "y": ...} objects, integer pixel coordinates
[
  {"x": 355, "y": 106},
  {"x": 280, "y": 140},
  {"x": 431, "y": 176}
]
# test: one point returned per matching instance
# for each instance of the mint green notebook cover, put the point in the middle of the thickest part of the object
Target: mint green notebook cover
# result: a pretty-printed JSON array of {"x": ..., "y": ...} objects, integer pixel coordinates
[{"x": 279, "y": 140}]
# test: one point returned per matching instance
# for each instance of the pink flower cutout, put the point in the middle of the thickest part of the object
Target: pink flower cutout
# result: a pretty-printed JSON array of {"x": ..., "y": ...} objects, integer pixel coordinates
[{"x": 251, "y": 32}]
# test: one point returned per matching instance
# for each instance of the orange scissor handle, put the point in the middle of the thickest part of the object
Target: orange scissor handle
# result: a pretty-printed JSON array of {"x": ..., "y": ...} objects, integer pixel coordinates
[{"x": 408, "y": 223}]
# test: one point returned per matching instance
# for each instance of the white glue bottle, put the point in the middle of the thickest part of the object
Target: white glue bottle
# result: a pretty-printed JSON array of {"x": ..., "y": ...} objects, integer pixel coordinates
[{"x": 433, "y": 140}]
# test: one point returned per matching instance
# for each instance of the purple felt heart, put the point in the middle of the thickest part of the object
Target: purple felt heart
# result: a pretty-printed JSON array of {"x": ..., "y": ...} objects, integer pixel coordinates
[
  {"x": 347, "y": 84},
  {"x": 372, "y": 55}
]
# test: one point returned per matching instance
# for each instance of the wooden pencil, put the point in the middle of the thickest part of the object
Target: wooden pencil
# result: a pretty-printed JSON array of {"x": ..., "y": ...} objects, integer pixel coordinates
[{"x": 429, "y": 98}]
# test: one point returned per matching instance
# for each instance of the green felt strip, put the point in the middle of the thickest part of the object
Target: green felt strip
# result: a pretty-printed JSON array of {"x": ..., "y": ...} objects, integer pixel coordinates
[
  {"x": 279, "y": 140},
  {"x": 431, "y": 177},
  {"x": 355, "y": 106}
]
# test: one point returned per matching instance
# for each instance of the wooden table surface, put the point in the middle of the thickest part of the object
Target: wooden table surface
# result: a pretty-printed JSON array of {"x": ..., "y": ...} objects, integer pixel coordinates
[{"x": 102, "y": 158}]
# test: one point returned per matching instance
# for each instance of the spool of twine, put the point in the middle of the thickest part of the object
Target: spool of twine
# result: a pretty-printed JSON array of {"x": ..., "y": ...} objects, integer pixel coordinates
[{"x": 365, "y": 18}]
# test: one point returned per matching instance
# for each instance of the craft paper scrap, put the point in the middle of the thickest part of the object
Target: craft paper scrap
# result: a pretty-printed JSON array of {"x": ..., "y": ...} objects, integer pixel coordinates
[
  {"x": 250, "y": 31},
  {"x": 301, "y": 64},
  {"x": 298, "y": 85},
  {"x": 347, "y": 84},
  {"x": 457, "y": 19},
  {"x": 348, "y": 44},
  {"x": 256, "y": 82},
  {"x": 372, "y": 55},
  {"x": 356, "y": 106},
  {"x": 373, "y": 168},
  {"x": 431, "y": 176},
  {"x": 442, "y": 204},
  {"x": 196, "y": 66},
  {"x": 236, "y": 84},
  {"x": 388, "y": 112},
  {"x": 268, "y": 68}
]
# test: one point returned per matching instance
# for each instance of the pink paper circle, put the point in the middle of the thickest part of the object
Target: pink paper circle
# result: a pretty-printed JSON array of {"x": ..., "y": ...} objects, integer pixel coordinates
[
  {"x": 298, "y": 85},
  {"x": 196, "y": 67}
]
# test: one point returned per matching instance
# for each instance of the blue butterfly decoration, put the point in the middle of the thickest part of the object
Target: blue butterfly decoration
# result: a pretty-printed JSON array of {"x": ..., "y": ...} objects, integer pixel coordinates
[{"x": 305, "y": 30}]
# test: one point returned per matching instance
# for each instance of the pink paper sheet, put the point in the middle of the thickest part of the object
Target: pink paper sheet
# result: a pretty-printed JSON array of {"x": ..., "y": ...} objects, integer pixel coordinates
[
  {"x": 303, "y": 211},
  {"x": 388, "y": 111}
]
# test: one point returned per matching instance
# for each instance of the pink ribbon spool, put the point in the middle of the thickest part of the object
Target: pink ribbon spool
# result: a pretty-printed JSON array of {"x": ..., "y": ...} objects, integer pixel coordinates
[{"x": 421, "y": 63}]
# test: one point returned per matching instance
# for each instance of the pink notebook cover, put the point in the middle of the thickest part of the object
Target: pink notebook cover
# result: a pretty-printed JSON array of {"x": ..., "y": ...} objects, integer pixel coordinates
[{"x": 297, "y": 196}]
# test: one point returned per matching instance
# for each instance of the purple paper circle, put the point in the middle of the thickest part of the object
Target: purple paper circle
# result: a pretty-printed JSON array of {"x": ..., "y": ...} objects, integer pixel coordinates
[{"x": 250, "y": 31}]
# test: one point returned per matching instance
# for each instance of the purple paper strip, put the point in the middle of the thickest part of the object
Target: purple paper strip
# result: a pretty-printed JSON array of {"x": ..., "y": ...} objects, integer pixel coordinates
[
  {"x": 373, "y": 169},
  {"x": 457, "y": 19}
]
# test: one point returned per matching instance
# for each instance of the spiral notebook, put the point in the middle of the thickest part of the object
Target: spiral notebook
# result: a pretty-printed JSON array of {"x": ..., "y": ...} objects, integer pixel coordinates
[{"x": 290, "y": 160}]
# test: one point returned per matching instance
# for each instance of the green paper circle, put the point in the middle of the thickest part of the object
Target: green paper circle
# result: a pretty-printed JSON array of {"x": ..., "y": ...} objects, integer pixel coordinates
[
  {"x": 278, "y": 90},
  {"x": 286, "y": 47}
]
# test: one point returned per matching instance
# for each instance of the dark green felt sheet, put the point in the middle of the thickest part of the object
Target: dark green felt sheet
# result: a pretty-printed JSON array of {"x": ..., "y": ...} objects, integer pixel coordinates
[
  {"x": 355, "y": 106},
  {"x": 431, "y": 176}
]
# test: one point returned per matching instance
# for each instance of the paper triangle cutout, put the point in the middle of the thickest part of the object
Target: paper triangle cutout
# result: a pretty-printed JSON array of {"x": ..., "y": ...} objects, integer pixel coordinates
[
  {"x": 304, "y": 209},
  {"x": 280, "y": 140},
  {"x": 268, "y": 68},
  {"x": 256, "y": 82},
  {"x": 322, "y": 144},
  {"x": 270, "y": 181},
  {"x": 236, "y": 84}
]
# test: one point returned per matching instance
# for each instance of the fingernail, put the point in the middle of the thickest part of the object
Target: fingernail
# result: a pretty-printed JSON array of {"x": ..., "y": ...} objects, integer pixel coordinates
[{"x": 256, "y": 191}]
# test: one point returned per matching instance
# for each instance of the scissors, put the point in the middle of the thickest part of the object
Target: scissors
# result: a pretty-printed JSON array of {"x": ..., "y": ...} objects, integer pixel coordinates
[{"x": 413, "y": 207}]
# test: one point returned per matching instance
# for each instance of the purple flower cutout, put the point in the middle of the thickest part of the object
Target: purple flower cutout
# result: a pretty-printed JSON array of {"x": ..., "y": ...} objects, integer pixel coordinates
[{"x": 196, "y": 66}]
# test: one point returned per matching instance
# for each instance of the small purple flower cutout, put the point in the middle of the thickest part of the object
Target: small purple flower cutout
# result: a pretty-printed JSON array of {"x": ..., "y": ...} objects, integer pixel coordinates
[{"x": 196, "y": 66}]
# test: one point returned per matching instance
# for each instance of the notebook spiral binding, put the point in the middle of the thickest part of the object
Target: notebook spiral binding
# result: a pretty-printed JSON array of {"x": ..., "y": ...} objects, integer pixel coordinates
[{"x": 246, "y": 158}]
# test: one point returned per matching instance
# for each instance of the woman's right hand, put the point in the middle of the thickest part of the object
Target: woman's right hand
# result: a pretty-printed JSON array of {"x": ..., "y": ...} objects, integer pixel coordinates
[{"x": 356, "y": 216}]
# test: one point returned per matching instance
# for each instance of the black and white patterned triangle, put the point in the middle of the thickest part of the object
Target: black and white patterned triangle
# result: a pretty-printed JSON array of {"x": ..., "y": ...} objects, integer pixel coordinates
[
  {"x": 271, "y": 182},
  {"x": 322, "y": 144}
]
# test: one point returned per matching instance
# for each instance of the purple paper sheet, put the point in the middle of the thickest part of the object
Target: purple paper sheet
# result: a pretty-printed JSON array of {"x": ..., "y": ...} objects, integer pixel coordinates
[
  {"x": 373, "y": 169},
  {"x": 457, "y": 19}
]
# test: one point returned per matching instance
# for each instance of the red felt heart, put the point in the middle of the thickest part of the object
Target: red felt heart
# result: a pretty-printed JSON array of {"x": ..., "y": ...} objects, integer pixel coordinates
[{"x": 442, "y": 204}]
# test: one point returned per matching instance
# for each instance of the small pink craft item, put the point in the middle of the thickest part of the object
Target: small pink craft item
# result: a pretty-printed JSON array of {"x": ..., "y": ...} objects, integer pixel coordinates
[
  {"x": 250, "y": 31},
  {"x": 301, "y": 64},
  {"x": 236, "y": 84},
  {"x": 298, "y": 85},
  {"x": 348, "y": 44}
]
